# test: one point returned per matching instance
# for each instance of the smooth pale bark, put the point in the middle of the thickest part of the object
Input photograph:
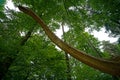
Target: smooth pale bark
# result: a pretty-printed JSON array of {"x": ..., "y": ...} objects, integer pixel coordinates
[{"x": 110, "y": 67}]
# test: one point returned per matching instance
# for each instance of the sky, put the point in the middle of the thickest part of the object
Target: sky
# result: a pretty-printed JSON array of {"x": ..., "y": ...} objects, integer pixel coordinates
[
  {"x": 101, "y": 35},
  {"x": 10, "y": 4}
]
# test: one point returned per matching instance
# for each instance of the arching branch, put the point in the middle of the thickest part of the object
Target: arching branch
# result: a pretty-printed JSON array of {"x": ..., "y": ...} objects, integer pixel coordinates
[{"x": 110, "y": 67}]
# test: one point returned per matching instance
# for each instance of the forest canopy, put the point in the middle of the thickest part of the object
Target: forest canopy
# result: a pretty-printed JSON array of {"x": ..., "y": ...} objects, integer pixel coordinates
[{"x": 27, "y": 53}]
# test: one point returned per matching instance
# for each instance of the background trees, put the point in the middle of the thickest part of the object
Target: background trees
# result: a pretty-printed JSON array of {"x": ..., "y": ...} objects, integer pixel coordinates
[{"x": 36, "y": 57}]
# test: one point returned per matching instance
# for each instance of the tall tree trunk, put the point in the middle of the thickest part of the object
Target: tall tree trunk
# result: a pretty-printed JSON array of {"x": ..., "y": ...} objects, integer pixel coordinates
[{"x": 67, "y": 58}]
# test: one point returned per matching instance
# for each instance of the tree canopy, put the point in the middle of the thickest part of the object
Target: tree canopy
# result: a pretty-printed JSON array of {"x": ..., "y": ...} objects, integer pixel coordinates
[{"x": 27, "y": 53}]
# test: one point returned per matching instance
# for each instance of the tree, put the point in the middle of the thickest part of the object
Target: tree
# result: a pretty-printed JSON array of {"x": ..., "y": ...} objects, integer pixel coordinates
[
  {"x": 37, "y": 58},
  {"x": 91, "y": 61}
]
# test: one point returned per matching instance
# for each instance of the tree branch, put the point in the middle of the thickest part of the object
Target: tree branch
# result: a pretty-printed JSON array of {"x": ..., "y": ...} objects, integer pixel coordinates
[{"x": 110, "y": 67}]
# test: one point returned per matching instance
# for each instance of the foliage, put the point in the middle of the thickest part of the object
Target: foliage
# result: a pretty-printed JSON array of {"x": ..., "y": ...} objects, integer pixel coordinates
[
  {"x": 39, "y": 59},
  {"x": 112, "y": 48},
  {"x": 111, "y": 10},
  {"x": 2, "y": 2}
]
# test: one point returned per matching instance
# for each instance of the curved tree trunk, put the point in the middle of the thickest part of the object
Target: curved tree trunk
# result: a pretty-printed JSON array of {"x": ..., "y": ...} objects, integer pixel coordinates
[{"x": 109, "y": 67}]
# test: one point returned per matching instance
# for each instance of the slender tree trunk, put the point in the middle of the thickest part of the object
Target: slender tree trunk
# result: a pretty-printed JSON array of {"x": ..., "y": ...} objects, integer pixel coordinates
[
  {"x": 92, "y": 46},
  {"x": 67, "y": 58}
]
